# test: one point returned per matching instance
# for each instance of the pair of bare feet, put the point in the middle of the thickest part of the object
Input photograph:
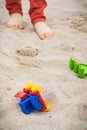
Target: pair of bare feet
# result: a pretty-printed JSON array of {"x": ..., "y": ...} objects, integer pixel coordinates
[{"x": 41, "y": 28}]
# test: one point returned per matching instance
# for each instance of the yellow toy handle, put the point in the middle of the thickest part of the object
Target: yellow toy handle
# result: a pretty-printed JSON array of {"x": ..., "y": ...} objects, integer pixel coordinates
[
  {"x": 32, "y": 87},
  {"x": 48, "y": 106}
]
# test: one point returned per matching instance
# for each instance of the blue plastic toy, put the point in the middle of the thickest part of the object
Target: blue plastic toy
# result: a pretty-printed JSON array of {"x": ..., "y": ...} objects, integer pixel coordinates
[{"x": 29, "y": 104}]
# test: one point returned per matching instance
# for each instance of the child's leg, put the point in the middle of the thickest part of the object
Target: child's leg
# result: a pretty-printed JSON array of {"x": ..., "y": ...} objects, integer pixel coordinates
[
  {"x": 38, "y": 19},
  {"x": 15, "y": 11}
]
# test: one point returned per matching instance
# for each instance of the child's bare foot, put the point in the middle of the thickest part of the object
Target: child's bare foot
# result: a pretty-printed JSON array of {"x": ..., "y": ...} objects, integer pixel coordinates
[
  {"x": 43, "y": 30},
  {"x": 15, "y": 21}
]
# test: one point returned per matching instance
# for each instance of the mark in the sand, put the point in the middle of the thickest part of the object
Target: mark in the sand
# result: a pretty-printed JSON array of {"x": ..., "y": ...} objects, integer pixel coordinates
[
  {"x": 80, "y": 23},
  {"x": 78, "y": 111},
  {"x": 9, "y": 88},
  {"x": 0, "y": 99},
  {"x": 49, "y": 117},
  {"x": 27, "y": 51},
  {"x": 69, "y": 48},
  {"x": 76, "y": 21},
  {"x": 51, "y": 97}
]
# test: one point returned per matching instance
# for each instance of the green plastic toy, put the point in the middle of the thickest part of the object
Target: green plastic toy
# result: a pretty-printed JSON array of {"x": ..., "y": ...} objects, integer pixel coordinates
[{"x": 79, "y": 68}]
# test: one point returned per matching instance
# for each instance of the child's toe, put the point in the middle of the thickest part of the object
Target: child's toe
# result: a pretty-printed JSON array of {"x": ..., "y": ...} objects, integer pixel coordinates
[
  {"x": 42, "y": 36},
  {"x": 21, "y": 26}
]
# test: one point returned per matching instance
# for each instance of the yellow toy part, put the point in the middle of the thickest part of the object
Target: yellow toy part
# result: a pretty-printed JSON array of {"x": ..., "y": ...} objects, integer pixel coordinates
[
  {"x": 32, "y": 87},
  {"x": 36, "y": 88},
  {"x": 48, "y": 106},
  {"x": 29, "y": 86}
]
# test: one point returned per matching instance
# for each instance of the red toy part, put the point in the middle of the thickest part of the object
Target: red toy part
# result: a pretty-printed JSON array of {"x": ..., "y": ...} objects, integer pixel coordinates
[
  {"x": 20, "y": 95},
  {"x": 27, "y": 91}
]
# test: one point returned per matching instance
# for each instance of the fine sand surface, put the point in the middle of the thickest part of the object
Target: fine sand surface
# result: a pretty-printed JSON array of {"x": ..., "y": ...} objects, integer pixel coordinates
[{"x": 25, "y": 58}]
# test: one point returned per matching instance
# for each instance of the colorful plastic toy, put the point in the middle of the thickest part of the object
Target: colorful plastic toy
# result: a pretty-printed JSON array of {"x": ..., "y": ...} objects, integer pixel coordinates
[
  {"x": 79, "y": 68},
  {"x": 31, "y": 99}
]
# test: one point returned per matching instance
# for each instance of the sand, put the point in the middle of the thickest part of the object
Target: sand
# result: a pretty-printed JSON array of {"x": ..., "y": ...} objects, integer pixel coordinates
[{"x": 25, "y": 58}]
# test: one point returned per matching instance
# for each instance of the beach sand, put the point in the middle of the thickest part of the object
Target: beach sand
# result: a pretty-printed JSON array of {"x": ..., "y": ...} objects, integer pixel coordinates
[{"x": 25, "y": 58}]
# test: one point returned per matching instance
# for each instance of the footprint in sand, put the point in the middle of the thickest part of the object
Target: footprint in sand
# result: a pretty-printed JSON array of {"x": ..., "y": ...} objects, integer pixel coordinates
[
  {"x": 78, "y": 111},
  {"x": 69, "y": 48},
  {"x": 27, "y": 51},
  {"x": 76, "y": 21},
  {"x": 79, "y": 22}
]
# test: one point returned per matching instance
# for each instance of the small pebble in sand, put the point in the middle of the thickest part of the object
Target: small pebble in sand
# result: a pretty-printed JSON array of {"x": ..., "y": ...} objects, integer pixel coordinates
[{"x": 9, "y": 88}]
